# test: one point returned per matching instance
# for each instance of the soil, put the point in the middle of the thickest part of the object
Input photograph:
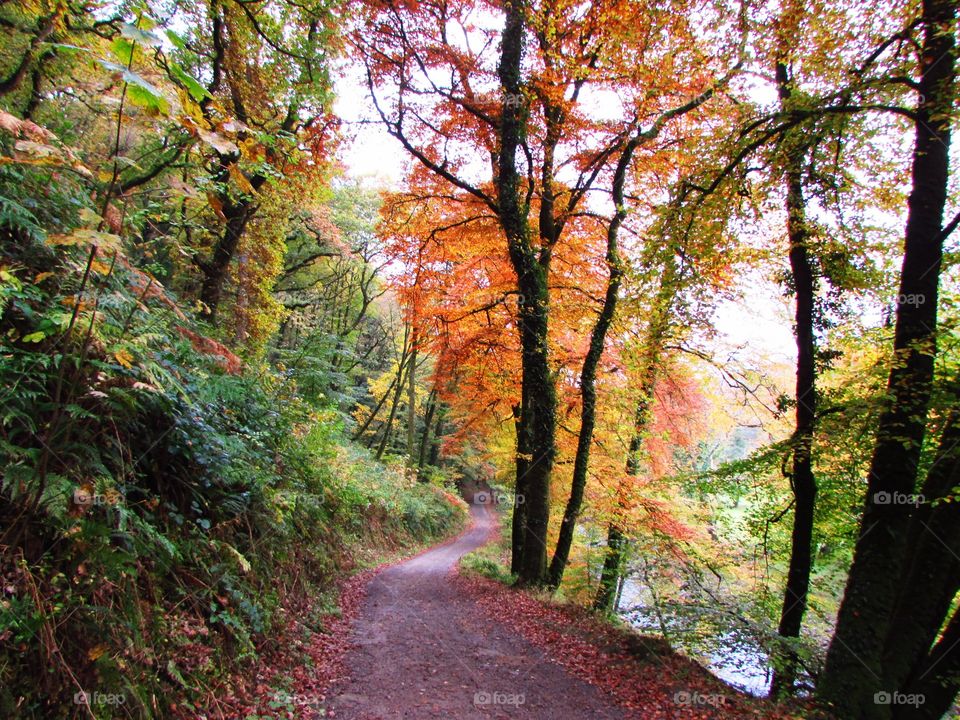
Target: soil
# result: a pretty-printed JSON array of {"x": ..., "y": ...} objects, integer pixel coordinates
[{"x": 424, "y": 649}]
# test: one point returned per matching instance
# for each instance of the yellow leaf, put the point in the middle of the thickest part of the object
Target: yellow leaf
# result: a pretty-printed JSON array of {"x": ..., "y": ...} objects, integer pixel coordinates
[
  {"x": 216, "y": 205},
  {"x": 41, "y": 277},
  {"x": 90, "y": 218},
  {"x": 124, "y": 358},
  {"x": 85, "y": 236},
  {"x": 241, "y": 560},
  {"x": 96, "y": 652},
  {"x": 240, "y": 179}
]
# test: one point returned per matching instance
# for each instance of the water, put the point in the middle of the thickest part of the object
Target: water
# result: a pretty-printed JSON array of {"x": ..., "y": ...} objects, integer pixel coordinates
[{"x": 733, "y": 655}]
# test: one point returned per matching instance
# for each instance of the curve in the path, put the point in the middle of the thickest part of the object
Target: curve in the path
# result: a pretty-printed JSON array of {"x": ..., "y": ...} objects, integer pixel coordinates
[{"x": 423, "y": 651}]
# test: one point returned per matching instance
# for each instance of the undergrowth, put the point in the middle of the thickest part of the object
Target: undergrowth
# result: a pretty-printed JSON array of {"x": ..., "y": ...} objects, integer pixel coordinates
[{"x": 161, "y": 499}]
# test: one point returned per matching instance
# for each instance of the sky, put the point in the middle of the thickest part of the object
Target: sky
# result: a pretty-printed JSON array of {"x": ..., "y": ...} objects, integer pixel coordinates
[{"x": 372, "y": 154}]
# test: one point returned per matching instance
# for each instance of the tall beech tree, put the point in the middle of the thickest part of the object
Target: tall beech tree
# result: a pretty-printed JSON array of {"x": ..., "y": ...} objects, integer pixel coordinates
[
  {"x": 688, "y": 256},
  {"x": 803, "y": 283},
  {"x": 501, "y": 106},
  {"x": 598, "y": 335},
  {"x": 854, "y": 671}
]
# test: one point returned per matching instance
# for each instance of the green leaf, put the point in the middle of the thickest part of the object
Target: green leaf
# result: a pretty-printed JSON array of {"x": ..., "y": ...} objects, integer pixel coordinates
[
  {"x": 174, "y": 672},
  {"x": 34, "y": 337},
  {"x": 144, "y": 98},
  {"x": 122, "y": 50},
  {"x": 67, "y": 46},
  {"x": 135, "y": 34},
  {"x": 178, "y": 42},
  {"x": 130, "y": 77},
  {"x": 197, "y": 91}
]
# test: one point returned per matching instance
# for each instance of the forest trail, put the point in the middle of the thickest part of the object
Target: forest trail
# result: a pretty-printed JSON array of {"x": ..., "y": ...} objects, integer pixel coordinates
[{"x": 422, "y": 650}]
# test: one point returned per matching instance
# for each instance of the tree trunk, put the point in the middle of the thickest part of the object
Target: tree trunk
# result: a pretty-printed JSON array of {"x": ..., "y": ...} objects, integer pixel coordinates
[
  {"x": 802, "y": 480},
  {"x": 937, "y": 680},
  {"x": 932, "y": 577},
  {"x": 588, "y": 374},
  {"x": 538, "y": 407},
  {"x": 215, "y": 270},
  {"x": 237, "y": 213},
  {"x": 538, "y": 421},
  {"x": 427, "y": 423},
  {"x": 404, "y": 364},
  {"x": 435, "y": 445},
  {"x": 412, "y": 402},
  {"x": 853, "y": 670},
  {"x": 612, "y": 569},
  {"x": 373, "y": 414},
  {"x": 517, "y": 521},
  {"x": 45, "y": 28}
]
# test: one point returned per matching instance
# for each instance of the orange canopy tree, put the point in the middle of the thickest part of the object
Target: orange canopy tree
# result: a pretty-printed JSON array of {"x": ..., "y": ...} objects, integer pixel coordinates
[{"x": 526, "y": 110}]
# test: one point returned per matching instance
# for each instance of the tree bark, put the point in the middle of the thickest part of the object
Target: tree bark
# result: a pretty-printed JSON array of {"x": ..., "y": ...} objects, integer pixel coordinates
[
  {"x": 932, "y": 577},
  {"x": 45, "y": 28},
  {"x": 853, "y": 670},
  {"x": 937, "y": 680},
  {"x": 412, "y": 402},
  {"x": 215, "y": 270},
  {"x": 404, "y": 365},
  {"x": 425, "y": 436},
  {"x": 237, "y": 213},
  {"x": 434, "y": 458},
  {"x": 517, "y": 519},
  {"x": 612, "y": 571},
  {"x": 538, "y": 410}
]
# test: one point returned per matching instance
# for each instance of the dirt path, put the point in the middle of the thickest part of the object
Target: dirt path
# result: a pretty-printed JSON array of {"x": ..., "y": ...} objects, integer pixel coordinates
[{"x": 423, "y": 651}]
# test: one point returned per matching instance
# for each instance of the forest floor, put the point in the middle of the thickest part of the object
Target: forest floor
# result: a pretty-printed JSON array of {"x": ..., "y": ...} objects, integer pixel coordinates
[{"x": 424, "y": 642}]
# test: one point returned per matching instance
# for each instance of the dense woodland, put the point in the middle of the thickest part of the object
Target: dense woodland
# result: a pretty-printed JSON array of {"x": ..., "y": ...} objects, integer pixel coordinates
[{"x": 233, "y": 371}]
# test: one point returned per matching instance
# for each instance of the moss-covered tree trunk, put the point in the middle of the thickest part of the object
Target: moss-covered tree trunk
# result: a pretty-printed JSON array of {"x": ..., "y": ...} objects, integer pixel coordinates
[{"x": 537, "y": 426}]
